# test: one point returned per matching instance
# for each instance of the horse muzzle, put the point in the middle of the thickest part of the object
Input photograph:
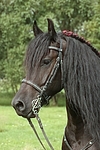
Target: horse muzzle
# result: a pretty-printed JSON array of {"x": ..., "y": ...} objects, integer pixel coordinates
[{"x": 22, "y": 109}]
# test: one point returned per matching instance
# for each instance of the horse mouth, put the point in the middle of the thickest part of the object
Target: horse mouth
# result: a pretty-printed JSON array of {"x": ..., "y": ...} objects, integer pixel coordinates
[{"x": 30, "y": 115}]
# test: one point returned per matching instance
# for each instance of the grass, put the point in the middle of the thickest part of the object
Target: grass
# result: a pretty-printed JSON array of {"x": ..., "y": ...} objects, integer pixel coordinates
[
  {"x": 16, "y": 134},
  {"x": 6, "y": 98}
]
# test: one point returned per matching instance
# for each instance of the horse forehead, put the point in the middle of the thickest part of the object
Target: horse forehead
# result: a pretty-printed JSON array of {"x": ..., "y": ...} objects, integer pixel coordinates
[{"x": 55, "y": 43}]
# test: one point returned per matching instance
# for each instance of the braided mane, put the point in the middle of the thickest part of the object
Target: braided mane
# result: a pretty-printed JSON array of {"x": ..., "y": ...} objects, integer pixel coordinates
[{"x": 74, "y": 35}]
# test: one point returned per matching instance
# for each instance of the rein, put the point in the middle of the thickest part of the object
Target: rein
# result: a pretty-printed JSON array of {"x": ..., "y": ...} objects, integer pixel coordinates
[
  {"x": 42, "y": 129},
  {"x": 31, "y": 124}
]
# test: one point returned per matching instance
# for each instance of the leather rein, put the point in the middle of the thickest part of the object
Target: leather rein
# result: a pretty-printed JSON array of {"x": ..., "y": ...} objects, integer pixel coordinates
[{"x": 36, "y": 103}]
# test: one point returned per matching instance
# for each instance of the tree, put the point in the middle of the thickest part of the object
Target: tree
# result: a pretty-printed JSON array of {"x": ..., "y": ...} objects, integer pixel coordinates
[
  {"x": 67, "y": 14},
  {"x": 91, "y": 28},
  {"x": 14, "y": 37},
  {"x": 16, "y": 19}
]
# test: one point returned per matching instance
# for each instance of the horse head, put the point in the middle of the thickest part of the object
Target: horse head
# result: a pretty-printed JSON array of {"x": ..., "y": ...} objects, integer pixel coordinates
[{"x": 43, "y": 64}]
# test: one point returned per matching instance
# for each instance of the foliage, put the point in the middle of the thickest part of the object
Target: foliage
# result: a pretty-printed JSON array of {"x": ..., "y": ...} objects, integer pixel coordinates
[
  {"x": 91, "y": 28},
  {"x": 6, "y": 98},
  {"x": 16, "y": 19},
  {"x": 14, "y": 34}
]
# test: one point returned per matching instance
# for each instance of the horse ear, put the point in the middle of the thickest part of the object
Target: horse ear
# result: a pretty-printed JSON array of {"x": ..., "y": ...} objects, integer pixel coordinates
[
  {"x": 36, "y": 29},
  {"x": 51, "y": 30}
]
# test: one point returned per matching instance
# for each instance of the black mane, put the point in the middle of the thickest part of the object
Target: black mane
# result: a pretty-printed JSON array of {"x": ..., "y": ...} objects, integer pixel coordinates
[{"x": 82, "y": 83}]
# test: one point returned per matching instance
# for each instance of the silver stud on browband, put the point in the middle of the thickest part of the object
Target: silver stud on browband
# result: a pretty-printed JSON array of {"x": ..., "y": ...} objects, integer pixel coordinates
[{"x": 90, "y": 143}]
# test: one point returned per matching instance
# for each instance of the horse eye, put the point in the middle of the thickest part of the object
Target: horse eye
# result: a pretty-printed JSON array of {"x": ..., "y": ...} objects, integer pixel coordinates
[{"x": 46, "y": 61}]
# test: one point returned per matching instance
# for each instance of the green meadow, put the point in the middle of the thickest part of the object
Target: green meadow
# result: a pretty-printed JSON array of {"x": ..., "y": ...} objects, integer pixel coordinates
[{"x": 16, "y": 133}]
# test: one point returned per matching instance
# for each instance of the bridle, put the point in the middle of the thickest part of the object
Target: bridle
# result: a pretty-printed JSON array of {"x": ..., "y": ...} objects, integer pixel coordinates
[
  {"x": 42, "y": 91},
  {"x": 36, "y": 103}
]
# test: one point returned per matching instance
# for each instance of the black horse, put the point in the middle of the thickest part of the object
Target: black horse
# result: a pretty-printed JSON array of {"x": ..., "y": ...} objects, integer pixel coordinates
[{"x": 56, "y": 61}]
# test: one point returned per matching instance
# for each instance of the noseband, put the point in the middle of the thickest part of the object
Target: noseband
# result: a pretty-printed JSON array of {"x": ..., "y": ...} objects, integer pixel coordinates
[{"x": 36, "y": 103}]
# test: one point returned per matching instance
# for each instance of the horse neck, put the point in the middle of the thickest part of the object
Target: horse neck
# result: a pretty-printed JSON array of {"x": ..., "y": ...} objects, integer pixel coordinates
[
  {"x": 76, "y": 132},
  {"x": 74, "y": 121},
  {"x": 75, "y": 129}
]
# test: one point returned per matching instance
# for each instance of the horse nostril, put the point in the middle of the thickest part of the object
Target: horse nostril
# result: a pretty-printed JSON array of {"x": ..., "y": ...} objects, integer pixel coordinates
[{"x": 20, "y": 106}]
